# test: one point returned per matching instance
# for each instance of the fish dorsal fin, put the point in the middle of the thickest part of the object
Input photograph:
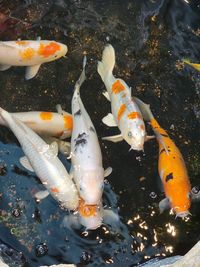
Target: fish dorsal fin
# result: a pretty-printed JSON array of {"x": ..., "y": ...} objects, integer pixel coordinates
[
  {"x": 3, "y": 44},
  {"x": 26, "y": 163},
  {"x": 160, "y": 139}
]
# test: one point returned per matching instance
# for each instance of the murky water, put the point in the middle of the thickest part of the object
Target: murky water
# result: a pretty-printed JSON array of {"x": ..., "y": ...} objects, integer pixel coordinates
[{"x": 151, "y": 38}]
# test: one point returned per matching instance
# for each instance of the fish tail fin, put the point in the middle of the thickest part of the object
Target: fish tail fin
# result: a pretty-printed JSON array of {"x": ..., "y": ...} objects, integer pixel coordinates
[
  {"x": 82, "y": 77},
  {"x": 106, "y": 66},
  {"x": 144, "y": 109}
]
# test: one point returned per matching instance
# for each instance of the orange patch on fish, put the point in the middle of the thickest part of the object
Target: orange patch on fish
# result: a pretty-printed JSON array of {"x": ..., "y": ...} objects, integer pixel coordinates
[
  {"x": 49, "y": 49},
  {"x": 117, "y": 87},
  {"x": 134, "y": 115},
  {"x": 142, "y": 127},
  {"x": 55, "y": 190},
  {"x": 27, "y": 53},
  {"x": 121, "y": 111},
  {"x": 22, "y": 42},
  {"x": 46, "y": 116},
  {"x": 68, "y": 122},
  {"x": 87, "y": 210}
]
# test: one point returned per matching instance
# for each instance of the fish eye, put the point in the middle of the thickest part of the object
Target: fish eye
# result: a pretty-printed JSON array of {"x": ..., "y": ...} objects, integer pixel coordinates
[
  {"x": 195, "y": 190},
  {"x": 130, "y": 134}
]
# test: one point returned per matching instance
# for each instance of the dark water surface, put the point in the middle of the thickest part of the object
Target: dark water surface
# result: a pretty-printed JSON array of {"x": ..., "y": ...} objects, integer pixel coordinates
[{"x": 150, "y": 38}]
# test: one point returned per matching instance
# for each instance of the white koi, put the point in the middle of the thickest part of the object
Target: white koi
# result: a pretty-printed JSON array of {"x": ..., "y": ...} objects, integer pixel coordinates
[
  {"x": 86, "y": 157},
  {"x": 42, "y": 159},
  {"x": 30, "y": 54},
  {"x": 125, "y": 112},
  {"x": 46, "y": 123}
]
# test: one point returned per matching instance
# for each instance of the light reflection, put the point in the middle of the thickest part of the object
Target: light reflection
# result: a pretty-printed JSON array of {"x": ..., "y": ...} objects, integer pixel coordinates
[
  {"x": 171, "y": 229},
  {"x": 136, "y": 218},
  {"x": 186, "y": 1},
  {"x": 129, "y": 222},
  {"x": 143, "y": 225},
  {"x": 109, "y": 261},
  {"x": 147, "y": 257},
  {"x": 155, "y": 235},
  {"x": 169, "y": 249}
]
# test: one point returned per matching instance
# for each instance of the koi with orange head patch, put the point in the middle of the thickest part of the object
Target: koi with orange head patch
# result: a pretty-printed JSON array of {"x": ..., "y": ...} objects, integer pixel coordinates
[
  {"x": 171, "y": 168},
  {"x": 48, "y": 124},
  {"x": 90, "y": 216},
  {"x": 30, "y": 54},
  {"x": 125, "y": 112}
]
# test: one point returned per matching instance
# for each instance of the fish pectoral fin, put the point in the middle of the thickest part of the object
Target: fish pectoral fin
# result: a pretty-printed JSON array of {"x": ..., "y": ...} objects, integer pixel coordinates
[
  {"x": 41, "y": 194},
  {"x": 113, "y": 138},
  {"x": 164, "y": 205},
  {"x": 26, "y": 163},
  {"x": 107, "y": 171},
  {"x": 31, "y": 71},
  {"x": 149, "y": 137},
  {"x": 106, "y": 94},
  {"x": 110, "y": 217},
  {"x": 4, "y": 67},
  {"x": 160, "y": 139},
  {"x": 109, "y": 120}
]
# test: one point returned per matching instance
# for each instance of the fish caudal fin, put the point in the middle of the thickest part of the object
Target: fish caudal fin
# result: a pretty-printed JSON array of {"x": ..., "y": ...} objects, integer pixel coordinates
[
  {"x": 105, "y": 67},
  {"x": 82, "y": 76}
]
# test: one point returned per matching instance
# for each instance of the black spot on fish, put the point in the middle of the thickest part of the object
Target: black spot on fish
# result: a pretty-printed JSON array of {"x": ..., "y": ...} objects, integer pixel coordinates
[
  {"x": 92, "y": 129},
  {"x": 77, "y": 113},
  {"x": 163, "y": 150},
  {"x": 80, "y": 140},
  {"x": 165, "y": 135},
  {"x": 169, "y": 176}
]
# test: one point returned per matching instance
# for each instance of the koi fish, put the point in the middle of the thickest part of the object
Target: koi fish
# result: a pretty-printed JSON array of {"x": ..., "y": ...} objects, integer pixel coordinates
[
  {"x": 87, "y": 169},
  {"x": 91, "y": 217},
  {"x": 171, "y": 168},
  {"x": 46, "y": 123},
  {"x": 194, "y": 65},
  {"x": 29, "y": 53},
  {"x": 42, "y": 159},
  {"x": 125, "y": 112}
]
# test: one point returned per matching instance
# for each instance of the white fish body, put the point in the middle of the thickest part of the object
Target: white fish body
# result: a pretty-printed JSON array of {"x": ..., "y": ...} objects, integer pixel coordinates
[
  {"x": 44, "y": 161},
  {"x": 29, "y": 53},
  {"x": 86, "y": 155},
  {"x": 126, "y": 114},
  {"x": 46, "y": 123}
]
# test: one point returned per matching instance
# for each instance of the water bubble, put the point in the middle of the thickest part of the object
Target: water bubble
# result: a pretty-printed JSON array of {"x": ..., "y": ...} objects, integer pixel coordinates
[
  {"x": 41, "y": 250},
  {"x": 16, "y": 213},
  {"x": 153, "y": 195},
  {"x": 85, "y": 257},
  {"x": 195, "y": 190}
]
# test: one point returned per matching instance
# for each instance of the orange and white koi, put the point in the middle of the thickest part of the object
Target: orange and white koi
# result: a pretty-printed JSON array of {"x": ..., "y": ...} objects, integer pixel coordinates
[
  {"x": 30, "y": 53},
  {"x": 46, "y": 123},
  {"x": 87, "y": 169},
  {"x": 171, "y": 168},
  {"x": 125, "y": 112},
  {"x": 42, "y": 159}
]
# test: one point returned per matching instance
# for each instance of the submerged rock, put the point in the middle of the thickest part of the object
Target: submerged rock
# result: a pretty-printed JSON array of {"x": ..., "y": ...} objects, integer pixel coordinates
[{"x": 192, "y": 258}]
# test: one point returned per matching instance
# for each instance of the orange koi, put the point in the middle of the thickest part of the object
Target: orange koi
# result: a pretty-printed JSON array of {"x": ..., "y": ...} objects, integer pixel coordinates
[{"x": 171, "y": 168}]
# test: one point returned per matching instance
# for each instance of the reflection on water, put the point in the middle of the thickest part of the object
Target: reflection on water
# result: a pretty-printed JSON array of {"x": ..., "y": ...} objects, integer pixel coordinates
[{"x": 151, "y": 38}]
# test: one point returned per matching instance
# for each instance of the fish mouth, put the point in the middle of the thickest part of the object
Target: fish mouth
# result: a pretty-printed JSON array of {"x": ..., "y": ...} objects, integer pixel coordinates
[
  {"x": 137, "y": 148},
  {"x": 183, "y": 214}
]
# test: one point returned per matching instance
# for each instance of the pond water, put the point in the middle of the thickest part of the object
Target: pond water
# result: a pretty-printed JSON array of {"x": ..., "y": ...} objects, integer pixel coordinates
[{"x": 150, "y": 38}]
